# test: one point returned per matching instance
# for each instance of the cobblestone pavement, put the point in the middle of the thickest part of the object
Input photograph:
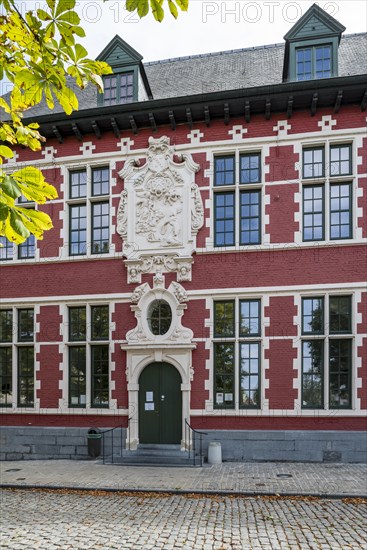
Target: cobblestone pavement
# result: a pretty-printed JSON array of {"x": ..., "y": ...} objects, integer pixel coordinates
[
  {"x": 64, "y": 519},
  {"x": 250, "y": 477}
]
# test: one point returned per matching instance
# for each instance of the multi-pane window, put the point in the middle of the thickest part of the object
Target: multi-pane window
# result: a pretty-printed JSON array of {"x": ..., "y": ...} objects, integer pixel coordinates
[
  {"x": 24, "y": 251},
  {"x": 327, "y": 203},
  {"x": 224, "y": 215},
  {"x": 110, "y": 90},
  {"x": 340, "y": 210},
  {"x": 237, "y": 210},
  {"x": 313, "y": 213},
  {"x": 313, "y": 62},
  {"x": 6, "y": 249},
  {"x": 340, "y": 160},
  {"x": 6, "y": 353},
  {"x": 237, "y": 354},
  {"x": 88, "y": 356},
  {"x": 159, "y": 317},
  {"x": 17, "y": 349},
  {"x": 313, "y": 162},
  {"x": 28, "y": 248},
  {"x": 89, "y": 211},
  {"x": 118, "y": 88},
  {"x": 326, "y": 352}
]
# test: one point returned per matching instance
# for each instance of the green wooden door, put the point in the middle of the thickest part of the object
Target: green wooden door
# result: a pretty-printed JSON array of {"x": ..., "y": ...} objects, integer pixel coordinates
[{"x": 160, "y": 404}]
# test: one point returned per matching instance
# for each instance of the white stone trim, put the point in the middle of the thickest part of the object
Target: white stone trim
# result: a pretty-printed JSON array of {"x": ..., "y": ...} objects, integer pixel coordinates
[
  {"x": 62, "y": 410},
  {"x": 358, "y": 189},
  {"x": 281, "y": 128},
  {"x": 112, "y": 362},
  {"x": 238, "y": 132},
  {"x": 195, "y": 137},
  {"x": 265, "y": 235},
  {"x": 357, "y": 381},
  {"x": 87, "y": 148},
  {"x": 288, "y": 290},
  {"x": 160, "y": 212},
  {"x": 265, "y": 384},
  {"x": 143, "y": 348},
  {"x": 49, "y": 153},
  {"x": 125, "y": 144},
  {"x": 284, "y": 413},
  {"x": 297, "y": 345},
  {"x": 209, "y": 382},
  {"x": 63, "y": 350},
  {"x": 226, "y": 146},
  {"x": 326, "y": 123},
  {"x": 37, "y": 364}
]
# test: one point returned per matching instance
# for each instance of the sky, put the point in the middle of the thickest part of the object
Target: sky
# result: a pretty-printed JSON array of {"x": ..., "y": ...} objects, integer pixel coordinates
[{"x": 208, "y": 26}]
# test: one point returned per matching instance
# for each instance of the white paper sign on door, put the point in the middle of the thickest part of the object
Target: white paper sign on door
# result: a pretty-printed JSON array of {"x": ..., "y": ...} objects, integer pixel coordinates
[
  {"x": 149, "y": 396},
  {"x": 219, "y": 398},
  {"x": 149, "y": 406}
]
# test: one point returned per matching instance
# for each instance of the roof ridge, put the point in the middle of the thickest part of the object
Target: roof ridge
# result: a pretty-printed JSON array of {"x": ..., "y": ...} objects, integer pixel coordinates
[
  {"x": 212, "y": 54},
  {"x": 238, "y": 50}
]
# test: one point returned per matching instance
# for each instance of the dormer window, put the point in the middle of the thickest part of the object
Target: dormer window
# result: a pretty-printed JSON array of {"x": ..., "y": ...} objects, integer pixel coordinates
[
  {"x": 129, "y": 82},
  {"x": 313, "y": 62},
  {"x": 118, "y": 89},
  {"x": 311, "y": 47}
]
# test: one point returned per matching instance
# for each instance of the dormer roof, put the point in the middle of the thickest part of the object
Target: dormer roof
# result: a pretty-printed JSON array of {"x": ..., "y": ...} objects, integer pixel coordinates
[
  {"x": 317, "y": 23},
  {"x": 119, "y": 53}
]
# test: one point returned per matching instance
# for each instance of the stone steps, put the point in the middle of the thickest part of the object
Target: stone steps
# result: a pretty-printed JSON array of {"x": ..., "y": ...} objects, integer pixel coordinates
[{"x": 155, "y": 455}]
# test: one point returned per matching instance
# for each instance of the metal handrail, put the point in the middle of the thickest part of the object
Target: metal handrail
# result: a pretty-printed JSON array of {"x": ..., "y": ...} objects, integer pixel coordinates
[
  {"x": 200, "y": 434},
  {"x": 112, "y": 444}
]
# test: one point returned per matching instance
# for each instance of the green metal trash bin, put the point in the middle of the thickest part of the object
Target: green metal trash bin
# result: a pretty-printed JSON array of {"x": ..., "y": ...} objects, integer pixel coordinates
[{"x": 94, "y": 438}]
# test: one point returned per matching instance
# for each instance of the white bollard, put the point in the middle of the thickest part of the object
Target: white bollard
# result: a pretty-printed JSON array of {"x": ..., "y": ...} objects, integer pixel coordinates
[{"x": 215, "y": 453}]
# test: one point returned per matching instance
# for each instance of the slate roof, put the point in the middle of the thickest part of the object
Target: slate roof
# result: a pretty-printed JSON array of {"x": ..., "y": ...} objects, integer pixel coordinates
[
  {"x": 229, "y": 70},
  {"x": 250, "y": 67}
]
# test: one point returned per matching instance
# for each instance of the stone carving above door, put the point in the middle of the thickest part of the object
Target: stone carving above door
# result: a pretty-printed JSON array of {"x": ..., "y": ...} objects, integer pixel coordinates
[
  {"x": 160, "y": 213},
  {"x": 174, "y": 299}
]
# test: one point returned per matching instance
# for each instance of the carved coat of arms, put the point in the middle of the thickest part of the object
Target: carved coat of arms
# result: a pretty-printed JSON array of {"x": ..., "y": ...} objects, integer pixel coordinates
[{"x": 160, "y": 212}]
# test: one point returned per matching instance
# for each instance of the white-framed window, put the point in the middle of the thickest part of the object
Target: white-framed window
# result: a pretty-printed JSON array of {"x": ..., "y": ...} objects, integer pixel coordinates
[
  {"x": 237, "y": 352},
  {"x": 327, "y": 192},
  {"x": 89, "y": 210},
  {"x": 327, "y": 351},
  {"x": 88, "y": 356},
  {"x": 17, "y": 357},
  {"x": 237, "y": 199}
]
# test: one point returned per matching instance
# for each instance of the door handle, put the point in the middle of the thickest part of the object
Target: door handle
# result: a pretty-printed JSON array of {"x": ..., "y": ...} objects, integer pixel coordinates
[{"x": 162, "y": 397}]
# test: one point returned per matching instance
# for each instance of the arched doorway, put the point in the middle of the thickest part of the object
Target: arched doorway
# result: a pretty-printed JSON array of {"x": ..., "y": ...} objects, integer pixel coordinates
[{"x": 160, "y": 404}]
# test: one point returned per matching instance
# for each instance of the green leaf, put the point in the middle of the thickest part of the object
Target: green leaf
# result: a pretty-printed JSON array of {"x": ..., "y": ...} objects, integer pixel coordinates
[
  {"x": 64, "y": 5},
  {"x": 79, "y": 31},
  {"x": 10, "y": 187},
  {"x": 131, "y": 5},
  {"x": 51, "y": 5},
  {"x": 143, "y": 8},
  {"x": 43, "y": 15},
  {"x": 67, "y": 100},
  {"x": 6, "y": 152},
  {"x": 183, "y": 4},
  {"x": 4, "y": 212},
  {"x": 173, "y": 9},
  {"x": 157, "y": 10},
  {"x": 70, "y": 17},
  {"x": 17, "y": 226},
  {"x": 80, "y": 52},
  {"x": 41, "y": 219}
]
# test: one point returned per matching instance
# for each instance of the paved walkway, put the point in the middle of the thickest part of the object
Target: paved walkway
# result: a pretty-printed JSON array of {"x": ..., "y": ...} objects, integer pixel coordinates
[
  {"x": 327, "y": 480},
  {"x": 75, "y": 520}
]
